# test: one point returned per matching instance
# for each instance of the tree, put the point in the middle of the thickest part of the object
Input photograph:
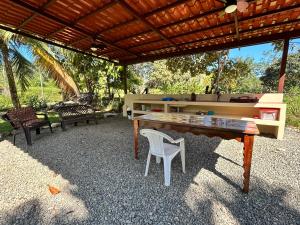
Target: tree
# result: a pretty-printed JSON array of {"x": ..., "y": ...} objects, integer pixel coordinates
[
  {"x": 167, "y": 81},
  {"x": 271, "y": 75},
  {"x": 16, "y": 66},
  {"x": 193, "y": 73},
  {"x": 211, "y": 63},
  {"x": 9, "y": 74}
]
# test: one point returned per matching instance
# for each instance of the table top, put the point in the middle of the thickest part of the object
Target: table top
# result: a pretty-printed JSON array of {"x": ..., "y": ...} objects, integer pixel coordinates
[{"x": 207, "y": 122}]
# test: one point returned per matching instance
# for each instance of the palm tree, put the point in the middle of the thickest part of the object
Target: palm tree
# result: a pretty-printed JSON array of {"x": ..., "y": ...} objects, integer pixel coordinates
[{"x": 17, "y": 66}]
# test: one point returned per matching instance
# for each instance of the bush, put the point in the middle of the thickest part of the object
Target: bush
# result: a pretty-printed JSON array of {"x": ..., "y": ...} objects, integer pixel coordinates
[
  {"x": 36, "y": 103},
  {"x": 292, "y": 99},
  {"x": 5, "y": 103}
]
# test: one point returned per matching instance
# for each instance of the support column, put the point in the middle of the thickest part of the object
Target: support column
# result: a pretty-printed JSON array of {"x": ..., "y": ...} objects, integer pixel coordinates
[
  {"x": 125, "y": 79},
  {"x": 283, "y": 65}
]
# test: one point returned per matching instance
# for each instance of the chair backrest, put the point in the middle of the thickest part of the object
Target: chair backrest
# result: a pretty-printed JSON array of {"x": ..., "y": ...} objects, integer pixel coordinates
[
  {"x": 20, "y": 114},
  {"x": 156, "y": 140}
]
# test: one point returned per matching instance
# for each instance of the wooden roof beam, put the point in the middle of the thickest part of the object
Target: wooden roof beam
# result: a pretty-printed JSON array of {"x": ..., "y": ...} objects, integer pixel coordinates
[
  {"x": 62, "y": 22},
  {"x": 228, "y": 35},
  {"x": 43, "y": 7},
  {"x": 227, "y": 23},
  {"x": 158, "y": 10},
  {"x": 241, "y": 43},
  {"x": 84, "y": 17},
  {"x": 203, "y": 15},
  {"x": 175, "y": 23},
  {"x": 52, "y": 43},
  {"x": 137, "y": 16},
  {"x": 155, "y": 11}
]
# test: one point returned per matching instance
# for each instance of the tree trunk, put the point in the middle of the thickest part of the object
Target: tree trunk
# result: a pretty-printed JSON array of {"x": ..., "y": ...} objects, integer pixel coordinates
[{"x": 9, "y": 75}]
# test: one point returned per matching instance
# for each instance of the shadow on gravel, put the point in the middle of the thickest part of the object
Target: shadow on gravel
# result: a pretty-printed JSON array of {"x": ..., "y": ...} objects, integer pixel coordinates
[
  {"x": 27, "y": 213},
  {"x": 98, "y": 159}
]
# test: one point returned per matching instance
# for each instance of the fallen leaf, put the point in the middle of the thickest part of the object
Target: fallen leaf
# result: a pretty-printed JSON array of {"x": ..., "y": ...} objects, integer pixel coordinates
[{"x": 53, "y": 190}]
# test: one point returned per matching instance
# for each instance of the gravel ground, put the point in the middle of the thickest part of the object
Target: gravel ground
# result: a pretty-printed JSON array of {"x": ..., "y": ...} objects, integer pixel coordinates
[{"x": 101, "y": 183}]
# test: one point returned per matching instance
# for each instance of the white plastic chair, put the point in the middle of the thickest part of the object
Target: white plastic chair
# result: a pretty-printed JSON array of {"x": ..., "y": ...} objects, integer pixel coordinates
[{"x": 164, "y": 150}]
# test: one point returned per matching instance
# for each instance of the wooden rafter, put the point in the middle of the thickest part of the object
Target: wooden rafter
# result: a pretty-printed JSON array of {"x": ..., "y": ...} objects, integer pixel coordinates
[
  {"x": 57, "y": 20},
  {"x": 230, "y": 23},
  {"x": 195, "y": 17},
  {"x": 228, "y": 45},
  {"x": 236, "y": 26},
  {"x": 146, "y": 22},
  {"x": 230, "y": 35},
  {"x": 84, "y": 17},
  {"x": 42, "y": 8},
  {"x": 174, "y": 24},
  {"x": 52, "y": 43},
  {"x": 158, "y": 10},
  {"x": 153, "y": 12}
]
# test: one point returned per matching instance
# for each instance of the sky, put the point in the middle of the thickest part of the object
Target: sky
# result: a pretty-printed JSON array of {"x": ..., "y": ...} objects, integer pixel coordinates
[{"x": 257, "y": 52}]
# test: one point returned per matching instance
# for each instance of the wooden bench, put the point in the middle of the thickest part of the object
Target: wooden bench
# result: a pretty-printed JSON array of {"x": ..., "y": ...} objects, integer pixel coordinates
[{"x": 72, "y": 114}]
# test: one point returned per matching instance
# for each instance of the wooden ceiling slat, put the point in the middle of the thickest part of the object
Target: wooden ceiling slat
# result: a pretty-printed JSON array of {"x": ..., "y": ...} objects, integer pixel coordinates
[
  {"x": 232, "y": 35},
  {"x": 43, "y": 7},
  {"x": 135, "y": 30},
  {"x": 84, "y": 17},
  {"x": 46, "y": 15},
  {"x": 227, "y": 45},
  {"x": 137, "y": 16},
  {"x": 231, "y": 23},
  {"x": 155, "y": 11},
  {"x": 176, "y": 23}
]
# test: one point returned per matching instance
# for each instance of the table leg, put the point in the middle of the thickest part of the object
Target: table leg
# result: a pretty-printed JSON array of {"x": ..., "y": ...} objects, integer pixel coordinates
[
  {"x": 136, "y": 137},
  {"x": 248, "y": 146}
]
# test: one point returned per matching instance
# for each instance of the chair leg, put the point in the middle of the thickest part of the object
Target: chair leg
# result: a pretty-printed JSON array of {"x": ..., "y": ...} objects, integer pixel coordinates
[
  {"x": 182, "y": 154},
  {"x": 38, "y": 130},
  {"x": 63, "y": 126},
  {"x": 50, "y": 127},
  {"x": 167, "y": 171},
  {"x": 28, "y": 136},
  {"x": 14, "y": 139},
  {"x": 148, "y": 163}
]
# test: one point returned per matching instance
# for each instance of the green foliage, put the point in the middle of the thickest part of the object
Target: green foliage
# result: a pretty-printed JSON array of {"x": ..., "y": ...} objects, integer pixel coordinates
[
  {"x": 238, "y": 77},
  {"x": 271, "y": 75},
  {"x": 292, "y": 99},
  {"x": 5, "y": 127},
  {"x": 35, "y": 102},
  {"x": 175, "y": 82},
  {"x": 5, "y": 103}
]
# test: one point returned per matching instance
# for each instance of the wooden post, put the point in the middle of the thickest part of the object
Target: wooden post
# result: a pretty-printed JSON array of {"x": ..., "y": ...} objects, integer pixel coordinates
[
  {"x": 283, "y": 65},
  {"x": 125, "y": 78}
]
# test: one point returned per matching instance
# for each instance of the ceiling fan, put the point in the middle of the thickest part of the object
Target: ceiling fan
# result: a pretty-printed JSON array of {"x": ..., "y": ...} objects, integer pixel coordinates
[{"x": 233, "y": 5}]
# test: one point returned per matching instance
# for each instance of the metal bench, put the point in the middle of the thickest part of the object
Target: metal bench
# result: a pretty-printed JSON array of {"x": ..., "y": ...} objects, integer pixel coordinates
[{"x": 72, "y": 114}]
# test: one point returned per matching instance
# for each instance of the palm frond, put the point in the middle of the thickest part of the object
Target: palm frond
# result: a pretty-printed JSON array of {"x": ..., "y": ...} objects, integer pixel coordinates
[
  {"x": 22, "y": 67},
  {"x": 48, "y": 64}
]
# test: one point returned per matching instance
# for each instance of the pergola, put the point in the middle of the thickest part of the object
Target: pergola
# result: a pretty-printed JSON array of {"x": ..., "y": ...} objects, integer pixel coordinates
[{"x": 133, "y": 31}]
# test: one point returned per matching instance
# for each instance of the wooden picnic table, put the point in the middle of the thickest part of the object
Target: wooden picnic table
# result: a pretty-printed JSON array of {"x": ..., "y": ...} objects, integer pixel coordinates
[{"x": 240, "y": 130}]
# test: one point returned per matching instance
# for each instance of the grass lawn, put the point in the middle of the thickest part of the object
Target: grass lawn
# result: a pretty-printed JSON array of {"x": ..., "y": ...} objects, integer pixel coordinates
[{"x": 6, "y": 128}]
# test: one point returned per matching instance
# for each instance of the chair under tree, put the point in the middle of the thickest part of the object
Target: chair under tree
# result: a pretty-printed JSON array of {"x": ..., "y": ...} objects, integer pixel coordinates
[{"x": 26, "y": 119}]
